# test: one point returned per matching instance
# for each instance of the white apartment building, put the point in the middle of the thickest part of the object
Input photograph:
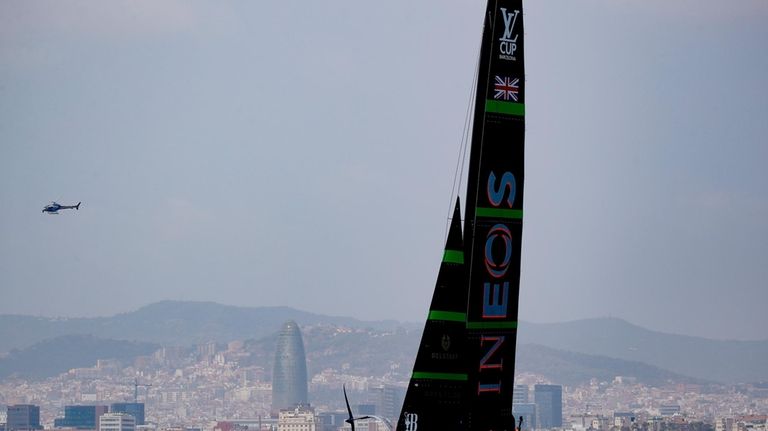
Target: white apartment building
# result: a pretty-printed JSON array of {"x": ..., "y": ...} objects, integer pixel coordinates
[
  {"x": 297, "y": 420},
  {"x": 724, "y": 424},
  {"x": 117, "y": 422}
]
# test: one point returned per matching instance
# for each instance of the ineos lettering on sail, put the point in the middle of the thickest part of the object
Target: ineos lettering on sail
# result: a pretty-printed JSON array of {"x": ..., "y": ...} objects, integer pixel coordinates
[
  {"x": 486, "y": 363},
  {"x": 493, "y": 306},
  {"x": 496, "y": 195},
  {"x": 496, "y": 268},
  {"x": 497, "y": 257},
  {"x": 464, "y": 370},
  {"x": 494, "y": 234},
  {"x": 508, "y": 44}
]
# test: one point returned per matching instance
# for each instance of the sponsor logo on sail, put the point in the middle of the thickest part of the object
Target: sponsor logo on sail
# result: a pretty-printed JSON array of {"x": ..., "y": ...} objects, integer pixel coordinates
[
  {"x": 508, "y": 41},
  {"x": 411, "y": 421},
  {"x": 497, "y": 254},
  {"x": 506, "y": 88}
]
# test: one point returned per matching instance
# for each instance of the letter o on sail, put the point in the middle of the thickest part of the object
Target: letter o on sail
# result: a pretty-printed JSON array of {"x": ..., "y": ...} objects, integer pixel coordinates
[{"x": 499, "y": 232}]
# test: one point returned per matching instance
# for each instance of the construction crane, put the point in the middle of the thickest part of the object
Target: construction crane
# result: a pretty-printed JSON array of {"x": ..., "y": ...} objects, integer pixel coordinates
[{"x": 136, "y": 385}]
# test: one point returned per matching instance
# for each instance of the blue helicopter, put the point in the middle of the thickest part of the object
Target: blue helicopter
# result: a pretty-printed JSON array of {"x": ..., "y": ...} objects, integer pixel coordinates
[{"x": 54, "y": 208}]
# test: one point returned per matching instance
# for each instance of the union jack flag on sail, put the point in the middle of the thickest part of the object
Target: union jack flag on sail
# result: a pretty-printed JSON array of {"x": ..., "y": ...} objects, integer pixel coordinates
[{"x": 506, "y": 88}]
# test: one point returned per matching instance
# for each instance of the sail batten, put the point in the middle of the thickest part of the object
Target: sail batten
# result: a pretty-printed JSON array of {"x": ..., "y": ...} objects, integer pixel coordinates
[
  {"x": 439, "y": 376},
  {"x": 453, "y": 256},
  {"x": 499, "y": 213},
  {"x": 509, "y": 108},
  {"x": 452, "y": 316}
]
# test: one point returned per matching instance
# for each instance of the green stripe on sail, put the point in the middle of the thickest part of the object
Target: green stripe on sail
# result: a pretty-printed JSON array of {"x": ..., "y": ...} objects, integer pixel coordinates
[
  {"x": 453, "y": 256},
  {"x": 439, "y": 376},
  {"x": 509, "y": 108},
  {"x": 452, "y": 316},
  {"x": 499, "y": 213},
  {"x": 491, "y": 325}
]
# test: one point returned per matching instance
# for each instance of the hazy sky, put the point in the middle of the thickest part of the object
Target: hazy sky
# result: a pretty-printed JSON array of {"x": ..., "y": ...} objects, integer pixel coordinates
[{"x": 302, "y": 153}]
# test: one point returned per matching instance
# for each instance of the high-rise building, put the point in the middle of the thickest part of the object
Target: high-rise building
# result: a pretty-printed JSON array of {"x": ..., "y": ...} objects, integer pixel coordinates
[
  {"x": 331, "y": 421},
  {"x": 389, "y": 400},
  {"x": 520, "y": 394},
  {"x": 206, "y": 351},
  {"x": 23, "y": 417},
  {"x": 623, "y": 419},
  {"x": 80, "y": 417},
  {"x": 528, "y": 412},
  {"x": 669, "y": 409},
  {"x": 117, "y": 422},
  {"x": 724, "y": 424},
  {"x": 289, "y": 376},
  {"x": 365, "y": 409},
  {"x": 549, "y": 406},
  {"x": 134, "y": 409}
]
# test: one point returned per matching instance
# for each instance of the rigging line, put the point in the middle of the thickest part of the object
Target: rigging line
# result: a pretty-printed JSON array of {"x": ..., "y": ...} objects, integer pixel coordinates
[
  {"x": 465, "y": 133},
  {"x": 470, "y": 118}
]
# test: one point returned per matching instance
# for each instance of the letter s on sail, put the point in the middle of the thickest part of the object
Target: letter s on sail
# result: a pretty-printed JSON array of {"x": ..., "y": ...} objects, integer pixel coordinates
[{"x": 496, "y": 196}]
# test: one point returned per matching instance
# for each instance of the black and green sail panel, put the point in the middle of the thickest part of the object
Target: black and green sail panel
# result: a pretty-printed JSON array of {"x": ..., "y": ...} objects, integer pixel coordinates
[{"x": 435, "y": 397}]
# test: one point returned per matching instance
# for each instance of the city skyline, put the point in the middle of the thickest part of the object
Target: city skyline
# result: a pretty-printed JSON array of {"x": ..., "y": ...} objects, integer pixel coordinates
[
  {"x": 210, "y": 384},
  {"x": 198, "y": 393}
]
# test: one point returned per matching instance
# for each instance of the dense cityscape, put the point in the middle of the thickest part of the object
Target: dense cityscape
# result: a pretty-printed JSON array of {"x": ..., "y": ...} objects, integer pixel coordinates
[{"x": 206, "y": 389}]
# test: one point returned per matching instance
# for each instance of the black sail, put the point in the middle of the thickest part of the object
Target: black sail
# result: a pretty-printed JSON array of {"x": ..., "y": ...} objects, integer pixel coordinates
[
  {"x": 494, "y": 219},
  {"x": 435, "y": 397},
  {"x": 475, "y": 304}
]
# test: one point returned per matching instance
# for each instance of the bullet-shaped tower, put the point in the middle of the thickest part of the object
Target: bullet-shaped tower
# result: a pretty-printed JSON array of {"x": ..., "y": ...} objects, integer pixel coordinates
[{"x": 289, "y": 376}]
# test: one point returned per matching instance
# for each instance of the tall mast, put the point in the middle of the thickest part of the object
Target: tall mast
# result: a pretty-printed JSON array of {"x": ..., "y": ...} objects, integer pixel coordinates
[{"x": 494, "y": 218}]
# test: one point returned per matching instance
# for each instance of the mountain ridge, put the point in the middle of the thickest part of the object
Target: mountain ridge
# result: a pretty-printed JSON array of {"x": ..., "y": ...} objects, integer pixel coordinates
[
  {"x": 628, "y": 324},
  {"x": 69, "y": 351},
  {"x": 169, "y": 322},
  {"x": 187, "y": 323},
  {"x": 715, "y": 360},
  {"x": 371, "y": 352}
]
